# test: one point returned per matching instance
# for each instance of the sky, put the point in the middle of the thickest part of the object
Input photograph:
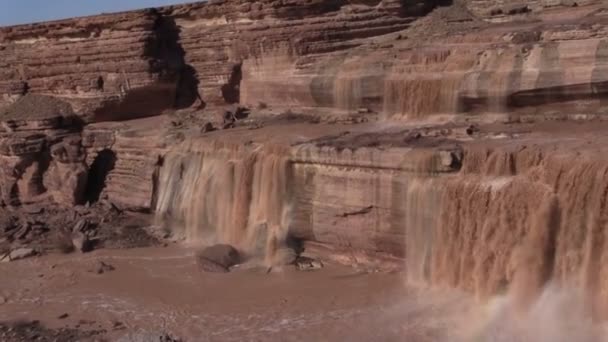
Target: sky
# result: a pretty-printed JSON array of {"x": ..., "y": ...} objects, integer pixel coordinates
[{"x": 13, "y": 12}]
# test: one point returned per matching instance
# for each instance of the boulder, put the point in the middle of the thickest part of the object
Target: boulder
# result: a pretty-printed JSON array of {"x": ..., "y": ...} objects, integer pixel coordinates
[{"x": 218, "y": 258}]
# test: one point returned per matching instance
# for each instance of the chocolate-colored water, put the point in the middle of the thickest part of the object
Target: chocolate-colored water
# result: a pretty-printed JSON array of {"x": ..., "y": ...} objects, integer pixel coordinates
[
  {"x": 160, "y": 290},
  {"x": 163, "y": 290}
]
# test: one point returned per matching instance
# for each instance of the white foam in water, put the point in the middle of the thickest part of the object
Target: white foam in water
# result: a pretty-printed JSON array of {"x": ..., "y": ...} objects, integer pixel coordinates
[{"x": 558, "y": 315}]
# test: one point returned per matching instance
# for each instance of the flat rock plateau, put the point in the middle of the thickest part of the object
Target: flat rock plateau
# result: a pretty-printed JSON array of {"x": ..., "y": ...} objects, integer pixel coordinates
[{"x": 319, "y": 170}]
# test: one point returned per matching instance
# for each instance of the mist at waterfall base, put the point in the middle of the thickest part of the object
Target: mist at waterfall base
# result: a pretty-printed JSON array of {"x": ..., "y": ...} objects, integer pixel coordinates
[{"x": 221, "y": 193}]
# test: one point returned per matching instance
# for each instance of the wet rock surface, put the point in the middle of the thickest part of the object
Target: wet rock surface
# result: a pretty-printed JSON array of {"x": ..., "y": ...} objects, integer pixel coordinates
[{"x": 218, "y": 258}]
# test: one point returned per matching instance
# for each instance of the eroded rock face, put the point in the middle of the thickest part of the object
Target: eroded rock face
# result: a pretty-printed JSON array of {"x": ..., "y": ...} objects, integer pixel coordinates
[
  {"x": 134, "y": 64},
  {"x": 124, "y": 160},
  {"x": 109, "y": 67},
  {"x": 227, "y": 42},
  {"x": 325, "y": 54},
  {"x": 502, "y": 9},
  {"x": 42, "y": 156}
]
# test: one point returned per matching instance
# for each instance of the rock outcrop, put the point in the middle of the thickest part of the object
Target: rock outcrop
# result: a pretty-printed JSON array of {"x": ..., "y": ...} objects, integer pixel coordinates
[
  {"x": 109, "y": 67},
  {"x": 229, "y": 42},
  {"x": 41, "y": 153}
]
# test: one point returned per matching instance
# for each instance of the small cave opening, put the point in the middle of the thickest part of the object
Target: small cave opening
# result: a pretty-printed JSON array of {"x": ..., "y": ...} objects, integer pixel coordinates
[
  {"x": 100, "y": 83},
  {"x": 25, "y": 88},
  {"x": 98, "y": 172}
]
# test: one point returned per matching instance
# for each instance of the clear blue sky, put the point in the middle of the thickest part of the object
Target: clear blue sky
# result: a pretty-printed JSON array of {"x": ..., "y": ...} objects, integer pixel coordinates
[{"x": 13, "y": 12}]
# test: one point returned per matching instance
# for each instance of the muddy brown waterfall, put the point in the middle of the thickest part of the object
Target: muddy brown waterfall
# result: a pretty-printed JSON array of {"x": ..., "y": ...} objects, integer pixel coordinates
[
  {"x": 524, "y": 226},
  {"x": 220, "y": 193}
]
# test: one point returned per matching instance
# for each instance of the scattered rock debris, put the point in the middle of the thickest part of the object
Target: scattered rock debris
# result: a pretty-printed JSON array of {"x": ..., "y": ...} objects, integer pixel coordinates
[
  {"x": 148, "y": 337},
  {"x": 308, "y": 264},
  {"x": 26, "y": 331},
  {"x": 81, "y": 228}
]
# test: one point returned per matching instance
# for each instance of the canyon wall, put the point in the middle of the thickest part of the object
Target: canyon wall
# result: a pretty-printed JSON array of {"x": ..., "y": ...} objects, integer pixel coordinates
[
  {"x": 108, "y": 67},
  {"x": 337, "y": 55},
  {"x": 81, "y": 122},
  {"x": 549, "y": 66}
]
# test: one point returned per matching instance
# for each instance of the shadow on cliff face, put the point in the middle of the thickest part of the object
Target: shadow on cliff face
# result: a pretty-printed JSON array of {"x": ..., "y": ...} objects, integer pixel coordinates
[
  {"x": 98, "y": 172},
  {"x": 172, "y": 67},
  {"x": 231, "y": 91},
  {"x": 177, "y": 82},
  {"x": 421, "y": 7}
]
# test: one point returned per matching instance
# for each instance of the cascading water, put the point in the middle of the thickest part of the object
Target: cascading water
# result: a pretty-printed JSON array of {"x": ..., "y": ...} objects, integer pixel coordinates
[
  {"x": 347, "y": 92},
  {"x": 217, "y": 193},
  {"x": 421, "y": 214},
  {"x": 416, "y": 98},
  {"x": 514, "y": 237},
  {"x": 503, "y": 227}
]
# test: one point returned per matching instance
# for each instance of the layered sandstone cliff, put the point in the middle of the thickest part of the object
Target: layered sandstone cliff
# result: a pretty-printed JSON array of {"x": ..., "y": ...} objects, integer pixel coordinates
[
  {"x": 328, "y": 54},
  {"x": 109, "y": 67}
]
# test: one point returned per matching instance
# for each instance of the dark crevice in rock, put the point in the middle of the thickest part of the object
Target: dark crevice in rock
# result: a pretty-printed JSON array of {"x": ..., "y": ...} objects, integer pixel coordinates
[
  {"x": 363, "y": 211},
  {"x": 25, "y": 89},
  {"x": 419, "y": 8},
  {"x": 100, "y": 83},
  {"x": 98, "y": 172}
]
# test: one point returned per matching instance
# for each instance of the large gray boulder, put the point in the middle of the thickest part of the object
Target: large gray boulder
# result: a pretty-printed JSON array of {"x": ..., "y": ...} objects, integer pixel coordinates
[{"x": 218, "y": 258}]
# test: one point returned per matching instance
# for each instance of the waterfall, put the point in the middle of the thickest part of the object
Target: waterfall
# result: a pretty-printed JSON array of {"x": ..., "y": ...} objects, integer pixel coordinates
[
  {"x": 422, "y": 210},
  {"x": 221, "y": 193},
  {"x": 347, "y": 92},
  {"x": 418, "y": 97}
]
